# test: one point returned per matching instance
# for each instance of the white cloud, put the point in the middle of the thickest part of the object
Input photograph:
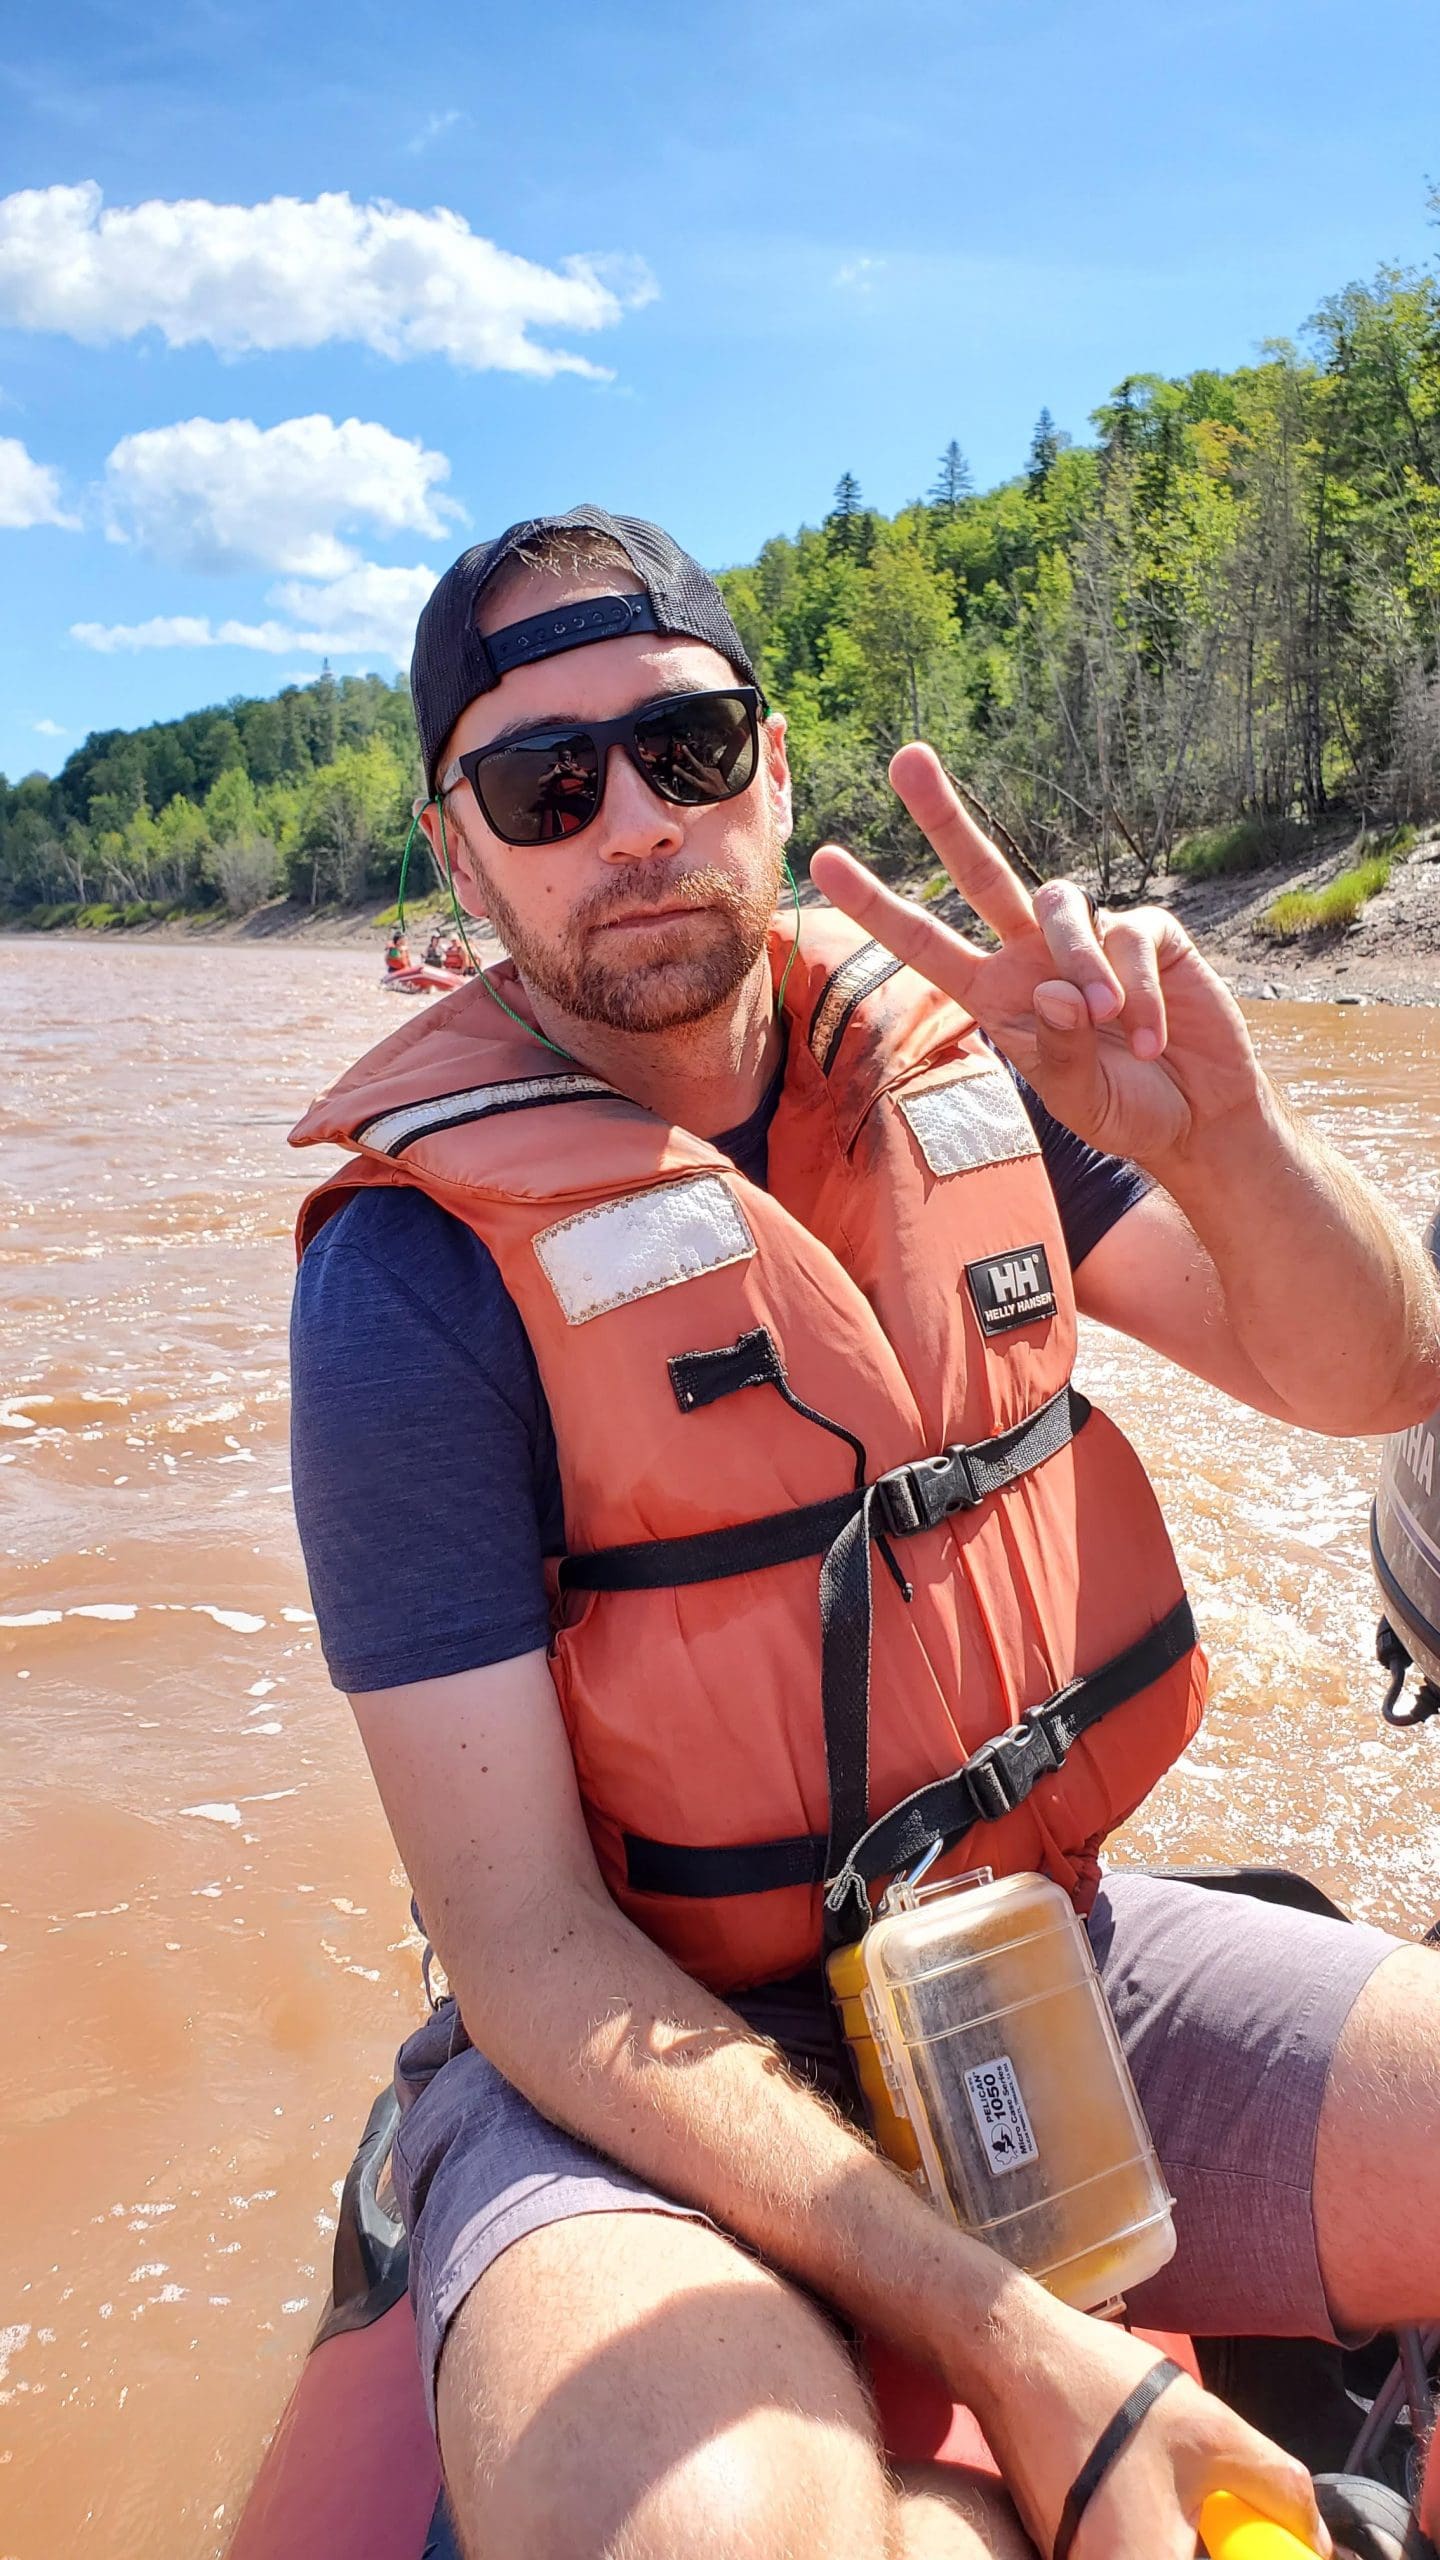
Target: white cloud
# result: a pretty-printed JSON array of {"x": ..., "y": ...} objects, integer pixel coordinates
[
  {"x": 29, "y": 490},
  {"x": 216, "y": 494},
  {"x": 368, "y": 612},
  {"x": 858, "y": 274},
  {"x": 444, "y": 121},
  {"x": 49, "y": 729},
  {"x": 298, "y": 274}
]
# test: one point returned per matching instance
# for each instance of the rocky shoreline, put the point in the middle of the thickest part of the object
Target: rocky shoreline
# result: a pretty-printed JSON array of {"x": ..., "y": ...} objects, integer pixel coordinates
[{"x": 1389, "y": 955}]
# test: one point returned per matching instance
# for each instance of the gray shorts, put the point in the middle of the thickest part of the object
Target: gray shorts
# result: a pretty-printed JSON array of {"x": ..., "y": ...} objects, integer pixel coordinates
[{"x": 1229, "y": 2010}]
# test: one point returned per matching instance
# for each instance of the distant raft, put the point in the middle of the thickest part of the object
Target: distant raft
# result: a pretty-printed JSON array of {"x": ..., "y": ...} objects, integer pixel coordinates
[
  {"x": 1405, "y": 1550},
  {"x": 423, "y": 980}
]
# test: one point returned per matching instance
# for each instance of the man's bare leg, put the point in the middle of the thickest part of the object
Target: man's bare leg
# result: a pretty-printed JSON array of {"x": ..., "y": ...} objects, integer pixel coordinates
[
  {"x": 1377, "y": 2164},
  {"x": 945, "y": 2514},
  {"x": 630, "y": 2386}
]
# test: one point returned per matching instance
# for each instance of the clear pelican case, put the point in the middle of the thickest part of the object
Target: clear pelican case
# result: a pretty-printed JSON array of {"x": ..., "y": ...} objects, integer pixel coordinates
[{"x": 990, "y": 2061}]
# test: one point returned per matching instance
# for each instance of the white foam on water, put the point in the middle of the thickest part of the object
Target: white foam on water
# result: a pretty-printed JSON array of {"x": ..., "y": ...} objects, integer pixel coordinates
[
  {"x": 272, "y": 1727},
  {"x": 11, "y": 2342},
  {"x": 35, "y": 1618},
  {"x": 116, "y": 1609},
  {"x": 241, "y": 1622},
  {"x": 298, "y": 1617},
  {"x": 226, "y": 1813},
  {"x": 259, "y": 1688}
]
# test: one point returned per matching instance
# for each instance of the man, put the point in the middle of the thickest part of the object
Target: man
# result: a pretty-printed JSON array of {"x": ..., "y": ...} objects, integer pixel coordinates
[{"x": 650, "y": 1196}]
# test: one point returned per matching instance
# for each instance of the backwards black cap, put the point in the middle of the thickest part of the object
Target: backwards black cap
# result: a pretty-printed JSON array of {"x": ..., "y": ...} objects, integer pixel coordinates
[{"x": 453, "y": 662}]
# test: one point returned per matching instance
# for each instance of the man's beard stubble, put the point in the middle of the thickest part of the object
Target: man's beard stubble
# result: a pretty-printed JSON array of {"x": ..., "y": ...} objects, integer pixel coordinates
[{"x": 658, "y": 995}]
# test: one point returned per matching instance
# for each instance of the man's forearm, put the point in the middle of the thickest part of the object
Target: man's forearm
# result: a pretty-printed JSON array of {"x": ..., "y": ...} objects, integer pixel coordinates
[
  {"x": 1334, "y": 1302},
  {"x": 608, "y": 2038}
]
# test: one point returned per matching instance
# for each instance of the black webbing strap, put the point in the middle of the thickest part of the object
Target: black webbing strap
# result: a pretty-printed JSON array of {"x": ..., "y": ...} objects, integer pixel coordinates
[
  {"x": 900, "y": 1503},
  {"x": 1003, "y": 1772},
  {"x": 994, "y": 1782}
]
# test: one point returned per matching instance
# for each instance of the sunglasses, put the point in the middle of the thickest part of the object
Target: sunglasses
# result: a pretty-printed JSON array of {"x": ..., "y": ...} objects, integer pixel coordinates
[{"x": 692, "y": 748}]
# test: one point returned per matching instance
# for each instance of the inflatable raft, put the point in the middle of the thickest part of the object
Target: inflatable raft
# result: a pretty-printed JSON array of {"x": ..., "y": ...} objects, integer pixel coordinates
[
  {"x": 423, "y": 980},
  {"x": 352, "y": 2467}
]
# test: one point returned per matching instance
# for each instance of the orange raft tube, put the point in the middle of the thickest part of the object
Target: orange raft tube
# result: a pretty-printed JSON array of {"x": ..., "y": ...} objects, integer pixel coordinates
[
  {"x": 423, "y": 980},
  {"x": 352, "y": 2466}
]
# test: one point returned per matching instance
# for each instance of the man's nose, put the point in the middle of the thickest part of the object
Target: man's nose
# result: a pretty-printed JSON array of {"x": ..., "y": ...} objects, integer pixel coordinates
[{"x": 634, "y": 823}]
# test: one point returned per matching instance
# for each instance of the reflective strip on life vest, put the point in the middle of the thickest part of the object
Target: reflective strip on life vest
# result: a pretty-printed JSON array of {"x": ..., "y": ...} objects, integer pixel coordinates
[
  {"x": 394, "y": 1131},
  {"x": 628, "y": 1248},
  {"x": 969, "y": 1122},
  {"x": 847, "y": 986}
]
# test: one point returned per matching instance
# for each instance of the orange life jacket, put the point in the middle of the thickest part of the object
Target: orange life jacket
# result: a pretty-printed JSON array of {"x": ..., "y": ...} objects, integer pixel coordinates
[{"x": 851, "y": 1566}]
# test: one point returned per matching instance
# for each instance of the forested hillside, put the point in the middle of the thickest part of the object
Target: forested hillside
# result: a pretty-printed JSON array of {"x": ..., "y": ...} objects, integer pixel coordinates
[
  {"x": 1223, "y": 607},
  {"x": 308, "y": 791}
]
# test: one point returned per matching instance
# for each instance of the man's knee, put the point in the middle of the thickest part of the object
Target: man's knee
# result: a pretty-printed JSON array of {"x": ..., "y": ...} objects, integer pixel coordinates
[
  {"x": 769, "y": 2488},
  {"x": 639, "y": 2390}
]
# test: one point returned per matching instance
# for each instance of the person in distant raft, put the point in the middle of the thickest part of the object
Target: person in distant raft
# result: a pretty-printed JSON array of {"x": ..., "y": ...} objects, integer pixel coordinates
[
  {"x": 744, "y": 1256},
  {"x": 397, "y": 953}
]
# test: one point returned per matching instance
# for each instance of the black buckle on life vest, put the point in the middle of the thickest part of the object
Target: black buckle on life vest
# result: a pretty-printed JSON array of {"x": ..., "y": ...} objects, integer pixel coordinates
[
  {"x": 1001, "y": 1774},
  {"x": 924, "y": 1493}
]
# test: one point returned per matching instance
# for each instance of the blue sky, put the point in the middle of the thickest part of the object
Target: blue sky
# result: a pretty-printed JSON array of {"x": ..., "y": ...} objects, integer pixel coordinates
[{"x": 732, "y": 251}]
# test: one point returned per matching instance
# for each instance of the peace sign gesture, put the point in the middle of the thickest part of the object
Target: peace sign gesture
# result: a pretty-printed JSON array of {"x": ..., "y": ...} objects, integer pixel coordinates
[{"x": 1124, "y": 1032}]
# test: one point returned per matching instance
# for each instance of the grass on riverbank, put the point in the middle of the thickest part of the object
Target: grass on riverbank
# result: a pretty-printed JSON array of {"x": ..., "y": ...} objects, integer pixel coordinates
[
  {"x": 1329, "y": 910},
  {"x": 1249, "y": 844},
  {"x": 99, "y": 916}
]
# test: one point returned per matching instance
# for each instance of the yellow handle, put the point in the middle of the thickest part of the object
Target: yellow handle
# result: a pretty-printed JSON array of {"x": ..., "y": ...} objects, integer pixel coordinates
[{"x": 1232, "y": 2531}]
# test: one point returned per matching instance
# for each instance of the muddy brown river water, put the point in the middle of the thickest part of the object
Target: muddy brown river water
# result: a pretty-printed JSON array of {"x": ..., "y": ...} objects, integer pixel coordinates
[{"x": 205, "y": 1953}]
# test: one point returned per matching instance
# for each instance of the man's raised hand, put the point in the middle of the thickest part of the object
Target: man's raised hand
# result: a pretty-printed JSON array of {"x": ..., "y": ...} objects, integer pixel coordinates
[{"x": 1125, "y": 1033}]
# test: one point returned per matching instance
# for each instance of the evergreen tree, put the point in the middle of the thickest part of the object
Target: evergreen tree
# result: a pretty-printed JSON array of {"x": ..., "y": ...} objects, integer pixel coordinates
[
  {"x": 848, "y": 525},
  {"x": 953, "y": 481},
  {"x": 1046, "y": 445}
]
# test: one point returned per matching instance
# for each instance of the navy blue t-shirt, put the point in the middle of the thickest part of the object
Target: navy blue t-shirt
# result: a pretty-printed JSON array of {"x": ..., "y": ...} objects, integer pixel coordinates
[{"x": 427, "y": 1488}]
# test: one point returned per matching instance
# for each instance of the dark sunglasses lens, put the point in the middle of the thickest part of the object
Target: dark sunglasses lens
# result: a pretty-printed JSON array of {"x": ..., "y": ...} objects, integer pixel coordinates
[
  {"x": 540, "y": 789},
  {"x": 700, "y": 747}
]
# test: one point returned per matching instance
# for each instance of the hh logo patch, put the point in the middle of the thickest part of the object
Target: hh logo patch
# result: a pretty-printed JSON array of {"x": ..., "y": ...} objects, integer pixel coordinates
[{"x": 1011, "y": 1288}]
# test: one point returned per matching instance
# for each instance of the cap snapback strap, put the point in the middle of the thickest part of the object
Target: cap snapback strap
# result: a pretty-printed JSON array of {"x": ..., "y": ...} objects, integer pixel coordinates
[{"x": 570, "y": 626}]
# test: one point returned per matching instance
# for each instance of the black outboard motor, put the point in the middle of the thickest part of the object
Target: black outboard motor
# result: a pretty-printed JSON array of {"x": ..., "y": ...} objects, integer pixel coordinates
[{"x": 1405, "y": 1549}]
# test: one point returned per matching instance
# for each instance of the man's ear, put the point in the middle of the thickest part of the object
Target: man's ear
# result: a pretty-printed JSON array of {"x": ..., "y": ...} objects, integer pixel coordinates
[
  {"x": 447, "y": 842},
  {"x": 777, "y": 773}
]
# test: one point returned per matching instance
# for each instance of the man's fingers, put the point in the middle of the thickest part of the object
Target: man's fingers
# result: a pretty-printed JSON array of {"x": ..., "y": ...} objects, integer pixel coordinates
[
  {"x": 1132, "y": 949},
  {"x": 1072, "y": 937},
  {"x": 980, "y": 873},
  {"x": 1278, "y": 2487},
  {"x": 1067, "y": 1054},
  {"x": 945, "y": 958}
]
